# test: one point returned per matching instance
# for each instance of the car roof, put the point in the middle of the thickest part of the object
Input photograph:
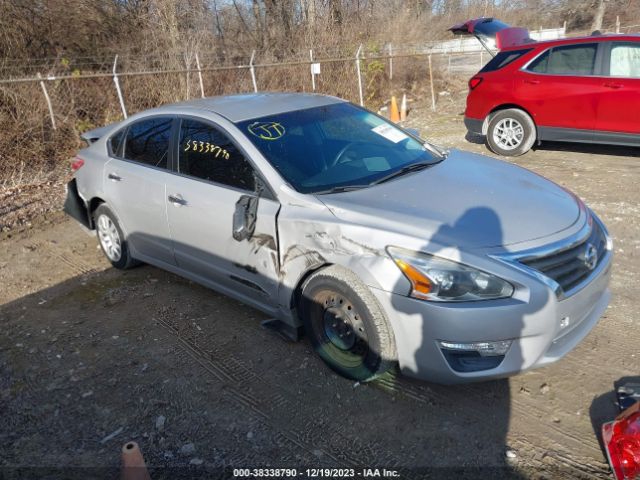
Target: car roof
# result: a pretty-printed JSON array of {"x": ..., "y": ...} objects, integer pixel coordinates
[
  {"x": 572, "y": 40},
  {"x": 246, "y": 106}
]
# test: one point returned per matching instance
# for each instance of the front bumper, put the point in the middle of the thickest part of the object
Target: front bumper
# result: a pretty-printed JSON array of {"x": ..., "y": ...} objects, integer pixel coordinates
[{"x": 532, "y": 322}]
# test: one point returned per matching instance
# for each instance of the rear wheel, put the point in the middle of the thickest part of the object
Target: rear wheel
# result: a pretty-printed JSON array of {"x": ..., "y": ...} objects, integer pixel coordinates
[
  {"x": 346, "y": 324},
  {"x": 111, "y": 239},
  {"x": 511, "y": 132}
]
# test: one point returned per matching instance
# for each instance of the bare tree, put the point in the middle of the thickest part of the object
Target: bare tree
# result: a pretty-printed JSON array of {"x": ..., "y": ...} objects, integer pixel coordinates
[{"x": 599, "y": 15}]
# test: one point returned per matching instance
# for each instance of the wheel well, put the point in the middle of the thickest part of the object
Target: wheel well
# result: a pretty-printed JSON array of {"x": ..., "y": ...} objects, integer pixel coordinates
[
  {"x": 297, "y": 292},
  {"x": 94, "y": 203},
  {"x": 506, "y": 106}
]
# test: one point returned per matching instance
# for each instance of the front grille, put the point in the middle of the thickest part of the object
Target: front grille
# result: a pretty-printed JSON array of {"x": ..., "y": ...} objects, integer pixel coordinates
[{"x": 569, "y": 267}]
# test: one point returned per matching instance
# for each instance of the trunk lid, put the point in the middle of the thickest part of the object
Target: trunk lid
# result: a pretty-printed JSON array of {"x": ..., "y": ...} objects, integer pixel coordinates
[
  {"x": 91, "y": 136},
  {"x": 493, "y": 34}
]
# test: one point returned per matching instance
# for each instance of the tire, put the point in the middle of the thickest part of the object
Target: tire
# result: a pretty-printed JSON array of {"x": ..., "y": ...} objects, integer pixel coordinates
[
  {"x": 511, "y": 132},
  {"x": 335, "y": 302},
  {"x": 111, "y": 239}
]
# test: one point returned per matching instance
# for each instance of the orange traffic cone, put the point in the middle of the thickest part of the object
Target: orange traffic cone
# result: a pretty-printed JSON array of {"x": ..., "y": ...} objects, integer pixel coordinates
[
  {"x": 403, "y": 108},
  {"x": 394, "y": 114},
  {"x": 133, "y": 467}
]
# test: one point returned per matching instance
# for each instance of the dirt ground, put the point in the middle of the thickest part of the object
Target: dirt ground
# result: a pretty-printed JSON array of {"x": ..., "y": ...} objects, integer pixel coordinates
[{"x": 92, "y": 357}]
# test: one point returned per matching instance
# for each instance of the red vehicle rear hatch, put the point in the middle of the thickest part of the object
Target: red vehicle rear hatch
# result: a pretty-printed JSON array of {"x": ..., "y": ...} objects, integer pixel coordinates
[{"x": 492, "y": 33}]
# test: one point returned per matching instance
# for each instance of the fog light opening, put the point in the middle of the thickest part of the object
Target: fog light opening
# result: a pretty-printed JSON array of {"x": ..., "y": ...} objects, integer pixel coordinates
[{"x": 476, "y": 356}]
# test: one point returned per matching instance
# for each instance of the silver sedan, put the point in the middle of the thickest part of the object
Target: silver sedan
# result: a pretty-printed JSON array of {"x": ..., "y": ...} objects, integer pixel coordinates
[{"x": 384, "y": 249}]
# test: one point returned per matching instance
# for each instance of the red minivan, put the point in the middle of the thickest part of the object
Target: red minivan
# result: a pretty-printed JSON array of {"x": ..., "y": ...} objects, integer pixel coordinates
[{"x": 583, "y": 89}]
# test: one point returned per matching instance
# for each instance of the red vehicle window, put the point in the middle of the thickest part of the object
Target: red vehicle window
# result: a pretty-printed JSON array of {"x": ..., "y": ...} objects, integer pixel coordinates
[
  {"x": 502, "y": 59},
  {"x": 579, "y": 59},
  {"x": 625, "y": 60}
]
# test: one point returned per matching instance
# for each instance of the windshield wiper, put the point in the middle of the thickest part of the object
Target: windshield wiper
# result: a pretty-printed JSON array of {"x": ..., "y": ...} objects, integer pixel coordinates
[
  {"x": 341, "y": 188},
  {"x": 443, "y": 153},
  {"x": 414, "y": 167}
]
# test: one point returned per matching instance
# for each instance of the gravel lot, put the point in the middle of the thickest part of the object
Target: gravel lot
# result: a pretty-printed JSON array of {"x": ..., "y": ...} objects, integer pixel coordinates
[{"x": 91, "y": 357}]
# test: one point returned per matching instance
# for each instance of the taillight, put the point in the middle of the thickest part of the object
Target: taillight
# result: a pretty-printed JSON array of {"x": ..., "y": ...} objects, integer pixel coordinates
[
  {"x": 77, "y": 164},
  {"x": 622, "y": 442},
  {"x": 474, "y": 82}
]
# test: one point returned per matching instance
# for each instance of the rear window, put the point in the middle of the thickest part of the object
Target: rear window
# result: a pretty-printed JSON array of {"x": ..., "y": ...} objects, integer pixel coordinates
[
  {"x": 577, "y": 59},
  {"x": 147, "y": 142},
  {"x": 502, "y": 59},
  {"x": 115, "y": 141}
]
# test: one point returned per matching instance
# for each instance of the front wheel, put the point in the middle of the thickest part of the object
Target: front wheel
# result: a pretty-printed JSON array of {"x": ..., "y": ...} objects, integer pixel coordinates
[
  {"x": 346, "y": 325},
  {"x": 511, "y": 132}
]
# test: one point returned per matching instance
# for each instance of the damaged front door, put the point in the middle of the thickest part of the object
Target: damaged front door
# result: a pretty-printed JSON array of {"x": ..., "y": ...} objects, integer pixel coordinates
[{"x": 223, "y": 230}]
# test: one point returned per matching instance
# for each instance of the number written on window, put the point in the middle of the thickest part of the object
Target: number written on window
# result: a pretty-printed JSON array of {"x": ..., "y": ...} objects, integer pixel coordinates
[
  {"x": 207, "y": 153},
  {"x": 206, "y": 147}
]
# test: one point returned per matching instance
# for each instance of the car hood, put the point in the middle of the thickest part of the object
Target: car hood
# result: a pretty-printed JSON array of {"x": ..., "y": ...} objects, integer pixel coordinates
[{"x": 467, "y": 200}]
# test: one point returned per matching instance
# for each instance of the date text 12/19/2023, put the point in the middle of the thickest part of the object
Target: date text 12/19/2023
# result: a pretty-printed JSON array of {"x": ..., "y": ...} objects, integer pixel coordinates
[{"x": 315, "y": 473}]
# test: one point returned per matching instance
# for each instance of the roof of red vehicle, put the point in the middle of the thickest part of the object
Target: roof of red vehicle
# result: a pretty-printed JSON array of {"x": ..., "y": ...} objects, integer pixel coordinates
[{"x": 584, "y": 39}]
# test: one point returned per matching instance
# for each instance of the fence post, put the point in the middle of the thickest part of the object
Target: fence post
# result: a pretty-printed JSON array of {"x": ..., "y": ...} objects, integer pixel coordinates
[
  {"x": 359, "y": 75},
  {"x": 200, "y": 76},
  {"x": 253, "y": 72},
  {"x": 390, "y": 62},
  {"x": 313, "y": 77},
  {"x": 449, "y": 64},
  {"x": 186, "y": 64},
  {"x": 617, "y": 23},
  {"x": 46, "y": 96},
  {"x": 433, "y": 95},
  {"x": 117, "y": 83}
]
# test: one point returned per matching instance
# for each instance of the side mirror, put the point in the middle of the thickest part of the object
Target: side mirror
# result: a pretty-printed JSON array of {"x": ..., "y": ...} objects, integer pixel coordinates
[
  {"x": 413, "y": 131},
  {"x": 244, "y": 217}
]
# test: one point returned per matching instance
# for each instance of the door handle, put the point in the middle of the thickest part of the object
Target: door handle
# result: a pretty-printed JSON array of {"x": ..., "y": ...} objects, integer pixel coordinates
[
  {"x": 613, "y": 85},
  {"x": 177, "y": 200},
  {"x": 532, "y": 82},
  {"x": 114, "y": 177}
]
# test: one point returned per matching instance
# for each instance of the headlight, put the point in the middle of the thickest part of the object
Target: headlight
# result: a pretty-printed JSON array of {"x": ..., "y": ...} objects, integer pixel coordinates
[{"x": 437, "y": 279}]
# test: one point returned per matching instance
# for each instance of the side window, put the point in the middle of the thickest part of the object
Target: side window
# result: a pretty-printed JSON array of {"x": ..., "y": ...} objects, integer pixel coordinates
[
  {"x": 207, "y": 153},
  {"x": 502, "y": 59},
  {"x": 625, "y": 60},
  {"x": 147, "y": 142},
  {"x": 115, "y": 141},
  {"x": 539, "y": 65},
  {"x": 579, "y": 59}
]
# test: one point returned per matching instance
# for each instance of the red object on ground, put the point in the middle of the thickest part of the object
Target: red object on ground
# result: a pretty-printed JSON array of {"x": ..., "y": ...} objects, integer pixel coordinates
[
  {"x": 622, "y": 443},
  {"x": 133, "y": 466}
]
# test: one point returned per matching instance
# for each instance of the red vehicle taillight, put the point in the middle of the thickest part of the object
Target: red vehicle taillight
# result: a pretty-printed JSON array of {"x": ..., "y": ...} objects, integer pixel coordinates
[
  {"x": 622, "y": 442},
  {"x": 474, "y": 82},
  {"x": 77, "y": 164}
]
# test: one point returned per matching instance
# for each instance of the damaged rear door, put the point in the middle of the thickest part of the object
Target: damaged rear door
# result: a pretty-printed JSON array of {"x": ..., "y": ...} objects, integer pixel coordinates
[{"x": 493, "y": 34}]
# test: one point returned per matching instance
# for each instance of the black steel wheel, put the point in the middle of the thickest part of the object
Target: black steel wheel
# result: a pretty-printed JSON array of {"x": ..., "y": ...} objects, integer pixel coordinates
[{"x": 346, "y": 325}]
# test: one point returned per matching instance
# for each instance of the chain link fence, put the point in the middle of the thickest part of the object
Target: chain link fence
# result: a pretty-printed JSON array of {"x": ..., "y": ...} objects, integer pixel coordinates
[{"x": 45, "y": 106}]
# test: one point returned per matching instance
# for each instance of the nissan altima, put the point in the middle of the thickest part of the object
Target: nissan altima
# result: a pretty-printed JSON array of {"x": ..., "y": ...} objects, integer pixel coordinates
[{"x": 385, "y": 250}]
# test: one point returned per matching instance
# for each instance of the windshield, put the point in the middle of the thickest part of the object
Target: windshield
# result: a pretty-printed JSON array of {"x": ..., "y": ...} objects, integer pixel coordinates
[{"x": 340, "y": 145}]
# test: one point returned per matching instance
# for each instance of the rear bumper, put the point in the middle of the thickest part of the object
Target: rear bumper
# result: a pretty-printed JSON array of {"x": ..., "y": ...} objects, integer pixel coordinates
[
  {"x": 75, "y": 207},
  {"x": 473, "y": 125}
]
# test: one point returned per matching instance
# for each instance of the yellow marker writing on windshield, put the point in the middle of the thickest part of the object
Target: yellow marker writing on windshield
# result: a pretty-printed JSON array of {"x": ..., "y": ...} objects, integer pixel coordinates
[{"x": 267, "y": 130}]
